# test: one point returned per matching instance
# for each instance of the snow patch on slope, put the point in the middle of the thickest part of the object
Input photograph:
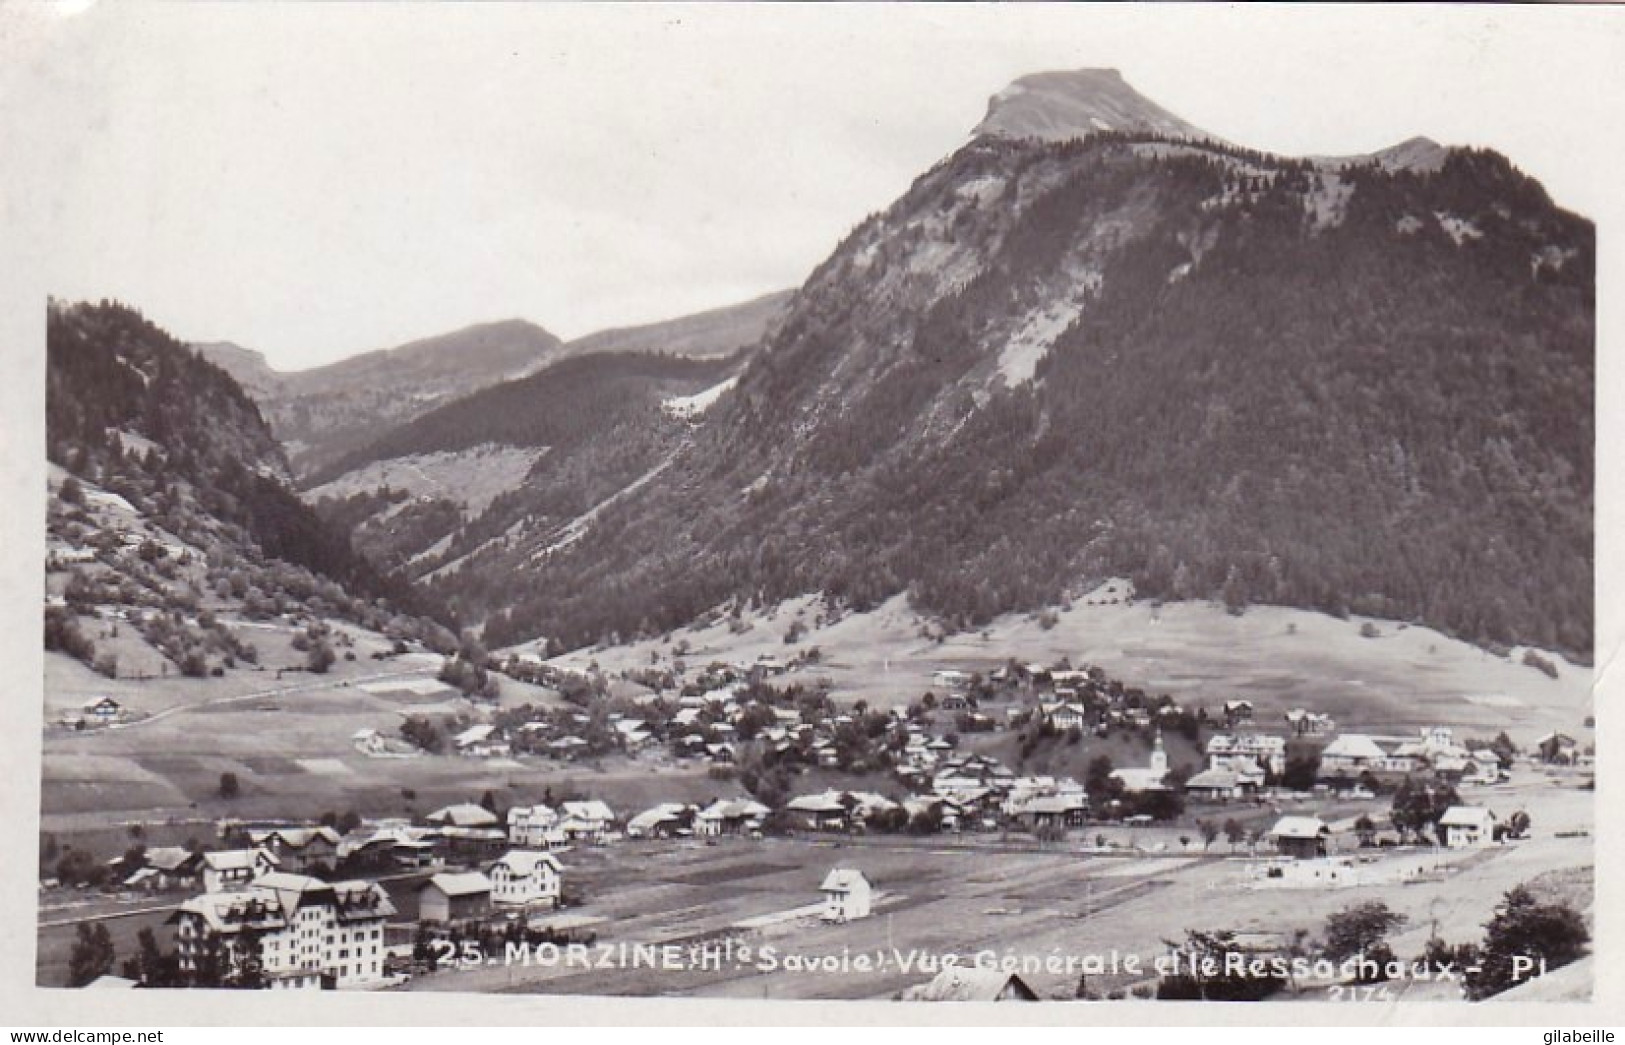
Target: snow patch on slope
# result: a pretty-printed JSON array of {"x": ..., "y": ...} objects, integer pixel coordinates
[
  {"x": 692, "y": 406},
  {"x": 1018, "y": 360},
  {"x": 1458, "y": 228}
]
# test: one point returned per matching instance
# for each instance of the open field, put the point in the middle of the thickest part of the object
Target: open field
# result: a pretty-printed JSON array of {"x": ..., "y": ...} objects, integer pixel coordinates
[
  {"x": 974, "y": 895},
  {"x": 1408, "y": 676}
]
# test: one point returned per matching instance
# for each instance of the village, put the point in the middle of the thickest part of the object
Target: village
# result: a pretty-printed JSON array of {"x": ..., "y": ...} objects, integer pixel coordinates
[{"x": 928, "y": 803}]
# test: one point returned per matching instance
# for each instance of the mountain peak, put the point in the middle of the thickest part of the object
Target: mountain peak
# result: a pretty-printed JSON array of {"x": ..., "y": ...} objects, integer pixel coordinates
[{"x": 1056, "y": 106}]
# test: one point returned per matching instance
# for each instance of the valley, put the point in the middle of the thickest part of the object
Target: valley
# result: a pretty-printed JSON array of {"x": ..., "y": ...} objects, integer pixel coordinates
[{"x": 1122, "y": 537}]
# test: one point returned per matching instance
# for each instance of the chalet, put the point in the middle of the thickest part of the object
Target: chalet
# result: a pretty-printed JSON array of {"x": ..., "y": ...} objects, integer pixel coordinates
[
  {"x": 633, "y": 734},
  {"x": 663, "y": 821},
  {"x": 972, "y": 983},
  {"x": 821, "y": 812},
  {"x": 1263, "y": 749},
  {"x": 307, "y": 933},
  {"x": 1351, "y": 754},
  {"x": 235, "y": 868},
  {"x": 526, "y": 878},
  {"x": 587, "y": 822},
  {"x": 1309, "y": 724},
  {"x": 529, "y": 826},
  {"x": 1483, "y": 767},
  {"x": 1464, "y": 827},
  {"x": 1238, "y": 711},
  {"x": 826, "y": 754},
  {"x": 473, "y": 844},
  {"x": 567, "y": 747},
  {"x": 1557, "y": 749},
  {"x": 848, "y": 895},
  {"x": 299, "y": 849},
  {"x": 464, "y": 814},
  {"x": 454, "y": 897},
  {"x": 867, "y": 804},
  {"x": 481, "y": 741},
  {"x": 1214, "y": 785},
  {"x": 103, "y": 710},
  {"x": 416, "y": 850},
  {"x": 1301, "y": 837},
  {"x": 720, "y": 754},
  {"x": 1064, "y": 717},
  {"x": 174, "y": 867},
  {"x": 1055, "y": 811},
  {"x": 739, "y": 816},
  {"x": 950, "y": 679},
  {"x": 954, "y": 702},
  {"x": 390, "y": 846}
]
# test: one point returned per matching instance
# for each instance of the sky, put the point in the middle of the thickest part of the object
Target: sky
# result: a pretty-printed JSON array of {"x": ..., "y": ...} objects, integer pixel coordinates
[{"x": 316, "y": 181}]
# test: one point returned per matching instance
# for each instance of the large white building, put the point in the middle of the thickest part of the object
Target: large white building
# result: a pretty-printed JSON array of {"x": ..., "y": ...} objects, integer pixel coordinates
[
  {"x": 308, "y": 933},
  {"x": 524, "y": 878}
]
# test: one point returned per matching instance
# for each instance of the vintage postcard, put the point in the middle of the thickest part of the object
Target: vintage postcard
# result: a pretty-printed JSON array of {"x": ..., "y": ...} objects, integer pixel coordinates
[{"x": 658, "y": 512}]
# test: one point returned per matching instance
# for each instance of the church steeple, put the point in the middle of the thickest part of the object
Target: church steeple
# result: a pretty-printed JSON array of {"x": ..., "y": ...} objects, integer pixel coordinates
[{"x": 1159, "y": 756}]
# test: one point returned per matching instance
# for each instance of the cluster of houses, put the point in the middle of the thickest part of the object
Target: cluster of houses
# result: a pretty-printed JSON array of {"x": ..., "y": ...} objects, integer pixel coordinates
[{"x": 262, "y": 901}]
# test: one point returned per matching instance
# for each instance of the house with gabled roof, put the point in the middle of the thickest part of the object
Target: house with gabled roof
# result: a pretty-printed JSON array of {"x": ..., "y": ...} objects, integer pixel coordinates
[
  {"x": 1301, "y": 837},
  {"x": 1465, "y": 827},
  {"x": 848, "y": 895},
  {"x": 586, "y": 822},
  {"x": 662, "y": 821},
  {"x": 454, "y": 897},
  {"x": 463, "y": 814},
  {"x": 730, "y": 817},
  {"x": 526, "y": 878},
  {"x": 821, "y": 812},
  {"x": 972, "y": 983},
  {"x": 228, "y": 869}
]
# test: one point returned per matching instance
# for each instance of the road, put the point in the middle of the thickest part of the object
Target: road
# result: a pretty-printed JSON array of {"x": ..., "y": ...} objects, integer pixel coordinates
[{"x": 261, "y": 694}]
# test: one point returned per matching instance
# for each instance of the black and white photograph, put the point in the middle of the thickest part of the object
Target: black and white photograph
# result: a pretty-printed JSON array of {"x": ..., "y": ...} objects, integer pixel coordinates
[{"x": 1083, "y": 505}]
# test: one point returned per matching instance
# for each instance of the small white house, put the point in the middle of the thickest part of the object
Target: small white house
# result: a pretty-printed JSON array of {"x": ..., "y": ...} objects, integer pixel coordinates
[
  {"x": 1464, "y": 827},
  {"x": 847, "y": 895},
  {"x": 524, "y": 878}
]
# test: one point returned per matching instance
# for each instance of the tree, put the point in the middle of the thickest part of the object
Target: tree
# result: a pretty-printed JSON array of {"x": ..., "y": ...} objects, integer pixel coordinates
[
  {"x": 320, "y": 657},
  {"x": 1419, "y": 805},
  {"x": 1206, "y": 972},
  {"x": 151, "y": 966},
  {"x": 1361, "y": 931},
  {"x": 1525, "y": 938},
  {"x": 1301, "y": 771},
  {"x": 229, "y": 787},
  {"x": 1516, "y": 826},
  {"x": 1366, "y": 830},
  {"x": 1234, "y": 833},
  {"x": 1209, "y": 831},
  {"x": 92, "y": 954}
]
